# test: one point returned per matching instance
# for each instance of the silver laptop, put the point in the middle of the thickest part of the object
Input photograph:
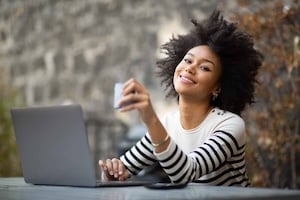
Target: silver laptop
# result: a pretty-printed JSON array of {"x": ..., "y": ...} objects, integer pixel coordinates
[{"x": 54, "y": 149}]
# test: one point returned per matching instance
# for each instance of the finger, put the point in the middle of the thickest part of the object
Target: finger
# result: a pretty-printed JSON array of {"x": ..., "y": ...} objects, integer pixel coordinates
[
  {"x": 132, "y": 86},
  {"x": 128, "y": 82},
  {"x": 133, "y": 106},
  {"x": 104, "y": 175},
  {"x": 115, "y": 163},
  {"x": 102, "y": 165},
  {"x": 121, "y": 167},
  {"x": 109, "y": 166},
  {"x": 122, "y": 178},
  {"x": 133, "y": 98},
  {"x": 122, "y": 171},
  {"x": 127, "y": 86}
]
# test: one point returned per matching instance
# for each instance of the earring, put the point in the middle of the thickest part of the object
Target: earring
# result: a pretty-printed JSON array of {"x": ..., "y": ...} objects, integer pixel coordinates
[{"x": 215, "y": 96}]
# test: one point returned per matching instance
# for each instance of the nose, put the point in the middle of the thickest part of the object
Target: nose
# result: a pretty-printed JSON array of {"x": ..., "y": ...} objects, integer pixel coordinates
[{"x": 190, "y": 69}]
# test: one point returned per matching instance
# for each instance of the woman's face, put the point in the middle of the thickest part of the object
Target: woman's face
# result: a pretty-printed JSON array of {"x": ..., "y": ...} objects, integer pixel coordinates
[{"x": 197, "y": 75}]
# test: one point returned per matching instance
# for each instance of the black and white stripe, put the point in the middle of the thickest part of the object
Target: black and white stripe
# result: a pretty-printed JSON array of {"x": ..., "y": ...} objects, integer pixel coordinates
[{"x": 218, "y": 161}]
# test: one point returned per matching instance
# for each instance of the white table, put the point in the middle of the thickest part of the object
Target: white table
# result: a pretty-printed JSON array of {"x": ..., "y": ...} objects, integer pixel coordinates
[{"x": 16, "y": 188}]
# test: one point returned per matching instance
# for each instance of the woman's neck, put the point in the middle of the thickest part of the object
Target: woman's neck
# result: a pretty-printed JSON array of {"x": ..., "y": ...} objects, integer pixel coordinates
[{"x": 192, "y": 113}]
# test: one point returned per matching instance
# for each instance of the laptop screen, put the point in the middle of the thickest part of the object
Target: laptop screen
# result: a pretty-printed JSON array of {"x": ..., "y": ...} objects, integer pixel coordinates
[{"x": 53, "y": 145}]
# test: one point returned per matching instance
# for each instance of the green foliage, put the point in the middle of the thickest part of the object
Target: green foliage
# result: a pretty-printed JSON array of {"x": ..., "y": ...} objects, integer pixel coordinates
[
  {"x": 9, "y": 159},
  {"x": 274, "y": 120}
]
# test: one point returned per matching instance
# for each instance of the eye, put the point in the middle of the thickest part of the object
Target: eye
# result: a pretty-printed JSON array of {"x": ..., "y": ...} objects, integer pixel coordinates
[
  {"x": 204, "y": 68},
  {"x": 186, "y": 60}
]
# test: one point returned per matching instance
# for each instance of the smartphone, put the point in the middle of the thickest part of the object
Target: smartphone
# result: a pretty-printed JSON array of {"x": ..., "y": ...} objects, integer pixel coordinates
[
  {"x": 166, "y": 185},
  {"x": 118, "y": 95}
]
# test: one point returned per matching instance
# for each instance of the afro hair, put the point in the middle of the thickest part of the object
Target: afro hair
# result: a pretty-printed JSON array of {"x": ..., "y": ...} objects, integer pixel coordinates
[{"x": 240, "y": 61}]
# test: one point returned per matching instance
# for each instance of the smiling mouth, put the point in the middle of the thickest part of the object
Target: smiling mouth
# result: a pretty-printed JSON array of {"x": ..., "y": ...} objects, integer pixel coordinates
[{"x": 186, "y": 80}]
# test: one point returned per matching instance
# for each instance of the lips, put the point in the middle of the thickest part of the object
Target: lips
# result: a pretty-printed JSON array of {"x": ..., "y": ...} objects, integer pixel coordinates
[{"x": 186, "y": 79}]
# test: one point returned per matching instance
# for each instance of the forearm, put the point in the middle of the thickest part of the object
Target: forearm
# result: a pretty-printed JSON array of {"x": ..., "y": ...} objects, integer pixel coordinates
[
  {"x": 139, "y": 156},
  {"x": 158, "y": 134}
]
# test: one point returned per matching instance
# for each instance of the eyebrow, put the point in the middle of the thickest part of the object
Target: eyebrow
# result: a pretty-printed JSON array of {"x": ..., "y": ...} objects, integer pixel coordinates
[{"x": 205, "y": 59}]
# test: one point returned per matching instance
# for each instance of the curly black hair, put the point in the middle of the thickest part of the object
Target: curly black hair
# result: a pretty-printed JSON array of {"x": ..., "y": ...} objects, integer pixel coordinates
[{"x": 240, "y": 61}]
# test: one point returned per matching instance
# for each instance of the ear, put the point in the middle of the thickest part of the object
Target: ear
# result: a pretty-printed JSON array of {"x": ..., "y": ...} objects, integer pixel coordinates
[
  {"x": 216, "y": 93},
  {"x": 217, "y": 89}
]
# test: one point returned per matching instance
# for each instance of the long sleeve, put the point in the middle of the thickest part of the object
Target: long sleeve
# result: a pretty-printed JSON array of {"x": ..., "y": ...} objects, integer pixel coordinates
[
  {"x": 212, "y": 156},
  {"x": 139, "y": 156},
  {"x": 213, "y": 153}
]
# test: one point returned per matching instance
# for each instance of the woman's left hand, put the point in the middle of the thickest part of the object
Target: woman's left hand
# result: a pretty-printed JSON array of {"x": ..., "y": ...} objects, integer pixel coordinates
[
  {"x": 113, "y": 169},
  {"x": 139, "y": 99}
]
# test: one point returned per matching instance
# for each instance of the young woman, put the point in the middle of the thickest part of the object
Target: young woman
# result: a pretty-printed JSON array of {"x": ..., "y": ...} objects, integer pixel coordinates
[{"x": 211, "y": 71}]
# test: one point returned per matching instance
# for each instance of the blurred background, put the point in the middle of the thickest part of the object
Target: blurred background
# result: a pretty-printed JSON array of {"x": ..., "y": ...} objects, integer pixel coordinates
[{"x": 73, "y": 51}]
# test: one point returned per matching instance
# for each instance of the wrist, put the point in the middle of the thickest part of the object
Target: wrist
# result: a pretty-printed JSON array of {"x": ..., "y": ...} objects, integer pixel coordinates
[
  {"x": 160, "y": 143},
  {"x": 152, "y": 122}
]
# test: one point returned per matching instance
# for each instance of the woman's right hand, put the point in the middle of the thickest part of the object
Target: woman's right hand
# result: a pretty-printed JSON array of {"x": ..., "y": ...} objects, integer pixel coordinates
[
  {"x": 138, "y": 95},
  {"x": 113, "y": 169}
]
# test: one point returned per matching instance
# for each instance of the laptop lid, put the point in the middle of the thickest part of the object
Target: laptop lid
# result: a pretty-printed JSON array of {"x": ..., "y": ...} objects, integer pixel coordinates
[{"x": 53, "y": 145}]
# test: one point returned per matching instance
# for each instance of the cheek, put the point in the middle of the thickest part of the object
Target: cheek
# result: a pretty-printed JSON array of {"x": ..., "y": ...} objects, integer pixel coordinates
[
  {"x": 179, "y": 68},
  {"x": 176, "y": 74}
]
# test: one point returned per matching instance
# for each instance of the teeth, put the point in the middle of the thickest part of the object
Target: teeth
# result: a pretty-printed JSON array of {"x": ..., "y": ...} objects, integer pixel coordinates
[{"x": 186, "y": 79}]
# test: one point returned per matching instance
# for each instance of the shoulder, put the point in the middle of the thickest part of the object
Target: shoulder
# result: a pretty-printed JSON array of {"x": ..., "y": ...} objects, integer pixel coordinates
[
  {"x": 223, "y": 117},
  {"x": 229, "y": 123}
]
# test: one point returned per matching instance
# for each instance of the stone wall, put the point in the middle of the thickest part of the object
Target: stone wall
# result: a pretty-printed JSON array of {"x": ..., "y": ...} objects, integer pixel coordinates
[
  {"x": 57, "y": 51},
  {"x": 62, "y": 51}
]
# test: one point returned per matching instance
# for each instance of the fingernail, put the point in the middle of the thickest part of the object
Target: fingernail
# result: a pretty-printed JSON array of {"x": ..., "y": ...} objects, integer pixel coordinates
[
  {"x": 120, "y": 173},
  {"x": 111, "y": 173}
]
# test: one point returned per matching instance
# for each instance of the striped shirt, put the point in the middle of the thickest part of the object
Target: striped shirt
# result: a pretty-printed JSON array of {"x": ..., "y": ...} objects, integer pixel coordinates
[{"x": 212, "y": 153}]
